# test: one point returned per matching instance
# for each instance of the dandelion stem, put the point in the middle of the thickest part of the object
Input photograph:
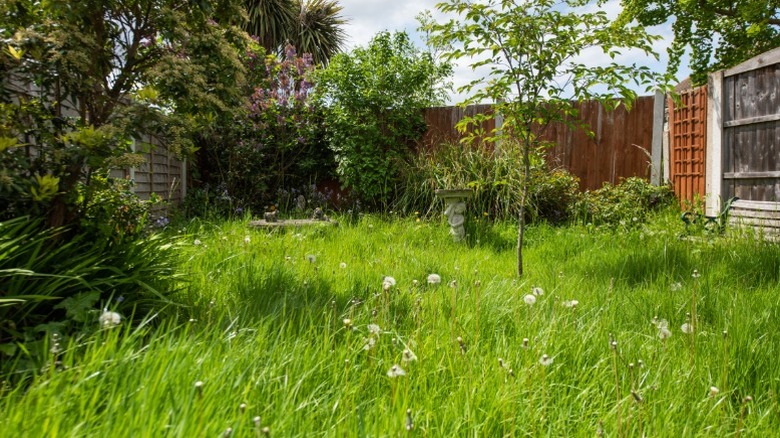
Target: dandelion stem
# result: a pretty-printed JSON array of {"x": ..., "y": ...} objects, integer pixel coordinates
[{"x": 613, "y": 345}]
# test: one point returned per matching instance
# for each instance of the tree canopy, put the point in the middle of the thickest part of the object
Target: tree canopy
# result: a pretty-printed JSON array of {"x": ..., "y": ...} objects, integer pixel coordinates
[
  {"x": 717, "y": 33},
  {"x": 81, "y": 80}
]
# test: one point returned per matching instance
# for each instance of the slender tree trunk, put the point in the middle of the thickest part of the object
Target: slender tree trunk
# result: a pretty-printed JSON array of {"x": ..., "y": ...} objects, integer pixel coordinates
[{"x": 523, "y": 200}]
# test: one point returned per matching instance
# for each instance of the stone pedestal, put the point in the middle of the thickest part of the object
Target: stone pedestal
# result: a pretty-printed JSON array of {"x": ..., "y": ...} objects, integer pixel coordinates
[{"x": 455, "y": 209}]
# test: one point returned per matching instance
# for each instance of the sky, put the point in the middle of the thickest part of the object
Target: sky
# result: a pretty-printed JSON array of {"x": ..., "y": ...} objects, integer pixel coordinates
[{"x": 367, "y": 17}]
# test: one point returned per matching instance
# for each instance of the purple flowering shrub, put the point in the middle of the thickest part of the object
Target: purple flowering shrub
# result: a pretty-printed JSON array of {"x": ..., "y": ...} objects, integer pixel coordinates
[{"x": 280, "y": 142}]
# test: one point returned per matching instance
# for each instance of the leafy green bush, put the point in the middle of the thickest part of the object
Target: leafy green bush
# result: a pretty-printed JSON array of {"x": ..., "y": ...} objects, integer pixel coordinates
[
  {"x": 375, "y": 96},
  {"x": 50, "y": 284},
  {"x": 111, "y": 210},
  {"x": 624, "y": 204},
  {"x": 495, "y": 176}
]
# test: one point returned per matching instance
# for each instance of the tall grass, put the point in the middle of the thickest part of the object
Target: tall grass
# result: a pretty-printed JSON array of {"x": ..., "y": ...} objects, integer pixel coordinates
[{"x": 279, "y": 321}]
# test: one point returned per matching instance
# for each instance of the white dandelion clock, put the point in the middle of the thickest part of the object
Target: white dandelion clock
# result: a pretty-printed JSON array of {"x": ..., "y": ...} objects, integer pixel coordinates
[
  {"x": 570, "y": 303},
  {"x": 369, "y": 343},
  {"x": 676, "y": 287},
  {"x": 545, "y": 360},
  {"x": 537, "y": 291},
  {"x": 409, "y": 356},
  {"x": 529, "y": 299},
  {"x": 343, "y": 265},
  {"x": 664, "y": 333},
  {"x": 388, "y": 283},
  {"x": 109, "y": 319},
  {"x": 395, "y": 371},
  {"x": 197, "y": 242},
  {"x": 686, "y": 328},
  {"x": 714, "y": 391},
  {"x": 311, "y": 258},
  {"x": 434, "y": 279},
  {"x": 374, "y": 329},
  {"x": 247, "y": 240}
]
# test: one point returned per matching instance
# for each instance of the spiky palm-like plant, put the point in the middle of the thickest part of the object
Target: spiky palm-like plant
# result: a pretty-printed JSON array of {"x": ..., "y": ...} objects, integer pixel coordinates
[
  {"x": 319, "y": 29},
  {"x": 271, "y": 21},
  {"x": 312, "y": 26}
]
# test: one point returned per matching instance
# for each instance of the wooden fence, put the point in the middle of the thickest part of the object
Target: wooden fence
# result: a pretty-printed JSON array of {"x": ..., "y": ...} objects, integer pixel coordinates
[
  {"x": 619, "y": 148},
  {"x": 162, "y": 173},
  {"x": 688, "y": 140},
  {"x": 441, "y": 123},
  {"x": 743, "y": 156}
]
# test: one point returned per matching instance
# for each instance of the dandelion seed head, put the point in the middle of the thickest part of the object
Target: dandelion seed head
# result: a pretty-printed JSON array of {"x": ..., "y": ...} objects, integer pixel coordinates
[
  {"x": 343, "y": 265},
  {"x": 311, "y": 258},
  {"x": 675, "y": 286},
  {"x": 454, "y": 283},
  {"x": 109, "y": 319},
  {"x": 197, "y": 242},
  {"x": 434, "y": 279},
  {"x": 247, "y": 240},
  {"x": 256, "y": 420},
  {"x": 529, "y": 299},
  {"x": 388, "y": 283},
  {"x": 409, "y": 356},
  {"x": 537, "y": 291},
  {"x": 347, "y": 323},
  {"x": 714, "y": 391},
  {"x": 695, "y": 273},
  {"x": 664, "y": 333},
  {"x": 686, "y": 328},
  {"x": 374, "y": 329},
  {"x": 570, "y": 303},
  {"x": 395, "y": 371},
  {"x": 369, "y": 343},
  {"x": 525, "y": 342},
  {"x": 545, "y": 360}
]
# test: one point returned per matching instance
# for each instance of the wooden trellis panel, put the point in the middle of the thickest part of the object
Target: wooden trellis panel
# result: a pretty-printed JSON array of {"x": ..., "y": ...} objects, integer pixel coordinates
[{"x": 688, "y": 144}]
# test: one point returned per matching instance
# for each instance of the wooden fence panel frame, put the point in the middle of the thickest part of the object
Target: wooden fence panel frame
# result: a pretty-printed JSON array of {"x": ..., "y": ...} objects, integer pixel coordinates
[
  {"x": 731, "y": 115},
  {"x": 688, "y": 144}
]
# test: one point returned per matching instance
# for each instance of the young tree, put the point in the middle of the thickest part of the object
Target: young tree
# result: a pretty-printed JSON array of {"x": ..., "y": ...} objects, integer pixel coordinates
[
  {"x": 718, "y": 33},
  {"x": 535, "y": 54},
  {"x": 375, "y": 96}
]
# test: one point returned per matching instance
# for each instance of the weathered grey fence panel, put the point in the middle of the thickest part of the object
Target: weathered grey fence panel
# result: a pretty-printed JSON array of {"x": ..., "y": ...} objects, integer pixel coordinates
[{"x": 748, "y": 151}]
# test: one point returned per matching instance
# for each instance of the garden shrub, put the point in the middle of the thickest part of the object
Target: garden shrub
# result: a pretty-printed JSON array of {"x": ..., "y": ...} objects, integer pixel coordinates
[
  {"x": 56, "y": 285},
  {"x": 375, "y": 97},
  {"x": 625, "y": 204},
  {"x": 495, "y": 176},
  {"x": 277, "y": 143}
]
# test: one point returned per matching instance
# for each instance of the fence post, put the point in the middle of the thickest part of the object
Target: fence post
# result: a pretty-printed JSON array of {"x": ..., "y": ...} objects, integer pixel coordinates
[
  {"x": 658, "y": 132},
  {"x": 714, "y": 160}
]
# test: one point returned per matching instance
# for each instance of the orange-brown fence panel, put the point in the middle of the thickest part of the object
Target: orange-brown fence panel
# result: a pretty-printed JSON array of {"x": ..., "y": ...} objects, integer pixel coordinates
[
  {"x": 688, "y": 142},
  {"x": 619, "y": 147},
  {"x": 441, "y": 123}
]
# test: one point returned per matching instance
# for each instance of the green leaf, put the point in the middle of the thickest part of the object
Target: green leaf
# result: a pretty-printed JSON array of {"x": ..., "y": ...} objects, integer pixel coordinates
[{"x": 78, "y": 306}]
